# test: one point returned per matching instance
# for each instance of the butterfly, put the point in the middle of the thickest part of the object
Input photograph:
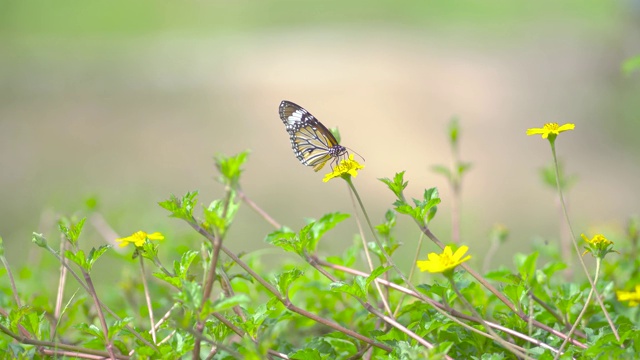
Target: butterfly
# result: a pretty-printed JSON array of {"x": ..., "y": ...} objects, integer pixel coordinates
[{"x": 312, "y": 143}]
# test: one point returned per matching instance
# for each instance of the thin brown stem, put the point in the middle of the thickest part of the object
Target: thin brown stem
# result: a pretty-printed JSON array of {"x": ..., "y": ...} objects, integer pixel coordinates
[
  {"x": 147, "y": 297},
  {"x": 575, "y": 244},
  {"x": 103, "y": 321},
  {"x": 284, "y": 300},
  {"x": 435, "y": 303},
  {"x": 257, "y": 209},
  {"x": 367, "y": 254}
]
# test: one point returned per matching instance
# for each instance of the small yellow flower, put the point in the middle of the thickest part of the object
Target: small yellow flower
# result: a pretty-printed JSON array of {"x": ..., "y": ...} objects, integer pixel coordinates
[
  {"x": 552, "y": 129},
  {"x": 633, "y": 297},
  {"x": 138, "y": 238},
  {"x": 444, "y": 262},
  {"x": 347, "y": 167},
  {"x": 599, "y": 246}
]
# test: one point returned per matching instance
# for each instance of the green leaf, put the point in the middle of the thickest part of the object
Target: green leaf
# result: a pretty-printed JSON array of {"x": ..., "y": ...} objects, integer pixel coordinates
[
  {"x": 503, "y": 275},
  {"x": 552, "y": 267},
  {"x": 376, "y": 274},
  {"x": 311, "y": 233},
  {"x": 357, "y": 289},
  {"x": 181, "y": 268},
  {"x": 336, "y": 133},
  {"x": 229, "y": 302},
  {"x": 404, "y": 208},
  {"x": 31, "y": 321},
  {"x": 190, "y": 295},
  {"x": 221, "y": 213},
  {"x": 527, "y": 266},
  {"x": 181, "y": 208},
  {"x": 385, "y": 228},
  {"x": 118, "y": 326},
  {"x": 78, "y": 258},
  {"x": 397, "y": 185},
  {"x": 230, "y": 168},
  {"x": 171, "y": 280},
  {"x": 548, "y": 175},
  {"x": 426, "y": 208},
  {"x": 91, "y": 330},
  {"x": 516, "y": 293},
  {"x": 70, "y": 230},
  {"x": 304, "y": 354},
  {"x": 284, "y": 280},
  {"x": 95, "y": 254},
  {"x": 285, "y": 239}
]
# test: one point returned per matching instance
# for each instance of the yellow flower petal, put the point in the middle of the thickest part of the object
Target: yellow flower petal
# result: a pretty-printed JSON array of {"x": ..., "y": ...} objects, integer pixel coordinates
[
  {"x": 138, "y": 238},
  {"x": 445, "y": 262},
  {"x": 550, "y": 129},
  {"x": 346, "y": 167}
]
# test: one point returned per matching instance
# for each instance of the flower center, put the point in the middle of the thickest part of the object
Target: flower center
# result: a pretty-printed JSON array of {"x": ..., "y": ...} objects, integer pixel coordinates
[
  {"x": 599, "y": 239},
  {"x": 551, "y": 126},
  {"x": 447, "y": 260}
]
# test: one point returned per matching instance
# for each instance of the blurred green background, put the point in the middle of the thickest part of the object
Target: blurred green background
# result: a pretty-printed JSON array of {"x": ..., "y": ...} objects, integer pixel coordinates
[{"x": 128, "y": 101}]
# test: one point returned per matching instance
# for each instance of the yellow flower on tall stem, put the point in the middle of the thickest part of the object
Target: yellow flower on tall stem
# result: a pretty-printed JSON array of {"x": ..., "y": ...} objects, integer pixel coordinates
[
  {"x": 598, "y": 246},
  {"x": 138, "y": 238},
  {"x": 346, "y": 169},
  {"x": 445, "y": 262},
  {"x": 550, "y": 130}
]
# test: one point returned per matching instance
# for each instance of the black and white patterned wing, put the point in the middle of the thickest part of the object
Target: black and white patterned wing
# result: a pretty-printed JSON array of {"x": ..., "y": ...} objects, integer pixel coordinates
[{"x": 312, "y": 143}]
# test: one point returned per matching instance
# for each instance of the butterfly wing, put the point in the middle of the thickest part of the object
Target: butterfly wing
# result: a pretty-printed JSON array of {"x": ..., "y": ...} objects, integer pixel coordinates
[{"x": 312, "y": 143}]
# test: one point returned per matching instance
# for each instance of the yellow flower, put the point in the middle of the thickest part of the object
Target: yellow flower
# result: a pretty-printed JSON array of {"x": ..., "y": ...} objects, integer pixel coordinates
[
  {"x": 552, "y": 129},
  {"x": 633, "y": 297},
  {"x": 444, "y": 262},
  {"x": 347, "y": 167},
  {"x": 599, "y": 246},
  {"x": 138, "y": 238}
]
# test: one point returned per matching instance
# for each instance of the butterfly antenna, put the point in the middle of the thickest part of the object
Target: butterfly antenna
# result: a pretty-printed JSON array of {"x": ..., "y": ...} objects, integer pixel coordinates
[{"x": 350, "y": 149}]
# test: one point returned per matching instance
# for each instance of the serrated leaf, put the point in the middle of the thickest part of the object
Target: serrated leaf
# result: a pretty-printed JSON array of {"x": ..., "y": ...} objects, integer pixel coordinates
[
  {"x": 91, "y": 330},
  {"x": 284, "y": 280},
  {"x": 397, "y": 185},
  {"x": 117, "y": 327},
  {"x": 95, "y": 254},
  {"x": 78, "y": 258},
  {"x": 181, "y": 208},
  {"x": 230, "y": 168},
  {"x": 181, "y": 268},
  {"x": 71, "y": 231},
  {"x": 304, "y": 354},
  {"x": 527, "y": 267},
  {"x": 190, "y": 295},
  {"x": 376, "y": 274},
  {"x": 357, "y": 289},
  {"x": 311, "y": 233},
  {"x": 171, "y": 280},
  {"x": 504, "y": 276},
  {"x": 285, "y": 239},
  {"x": 229, "y": 302}
]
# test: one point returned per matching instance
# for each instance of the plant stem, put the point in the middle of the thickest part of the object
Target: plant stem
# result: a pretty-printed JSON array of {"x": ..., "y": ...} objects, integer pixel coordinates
[
  {"x": 575, "y": 243},
  {"x": 147, "y": 297}
]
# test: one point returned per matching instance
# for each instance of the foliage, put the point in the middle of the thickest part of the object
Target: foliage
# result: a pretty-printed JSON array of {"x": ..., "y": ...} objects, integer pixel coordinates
[{"x": 216, "y": 304}]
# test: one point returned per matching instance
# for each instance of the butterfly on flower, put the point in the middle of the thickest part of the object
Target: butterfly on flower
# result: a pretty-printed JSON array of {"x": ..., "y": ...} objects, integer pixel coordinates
[{"x": 312, "y": 143}]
